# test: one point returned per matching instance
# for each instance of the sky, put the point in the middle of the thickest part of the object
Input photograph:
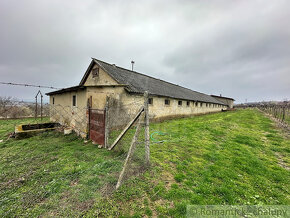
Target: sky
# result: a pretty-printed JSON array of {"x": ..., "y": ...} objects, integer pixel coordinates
[{"x": 240, "y": 49}]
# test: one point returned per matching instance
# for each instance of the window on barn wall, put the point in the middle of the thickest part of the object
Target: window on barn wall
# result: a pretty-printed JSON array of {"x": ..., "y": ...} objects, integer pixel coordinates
[
  {"x": 196, "y": 104},
  {"x": 187, "y": 103},
  {"x": 179, "y": 103},
  {"x": 74, "y": 100},
  {"x": 167, "y": 102},
  {"x": 95, "y": 72},
  {"x": 52, "y": 100},
  {"x": 150, "y": 101}
]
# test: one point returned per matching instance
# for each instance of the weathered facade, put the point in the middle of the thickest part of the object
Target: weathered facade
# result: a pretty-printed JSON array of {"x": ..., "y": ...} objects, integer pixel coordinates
[{"x": 124, "y": 89}]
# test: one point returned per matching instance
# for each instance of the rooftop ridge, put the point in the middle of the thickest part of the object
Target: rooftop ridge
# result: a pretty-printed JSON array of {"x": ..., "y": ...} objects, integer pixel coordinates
[{"x": 148, "y": 76}]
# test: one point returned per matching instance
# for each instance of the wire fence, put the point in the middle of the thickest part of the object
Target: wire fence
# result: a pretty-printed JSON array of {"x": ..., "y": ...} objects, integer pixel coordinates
[
  {"x": 14, "y": 112},
  {"x": 13, "y": 109},
  {"x": 70, "y": 118},
  {"x": 119, "y": 115},
  {"x": 125, "y": 126},
  {"x": 280, "y": 112},
  {"x": 127, "y": 131}
]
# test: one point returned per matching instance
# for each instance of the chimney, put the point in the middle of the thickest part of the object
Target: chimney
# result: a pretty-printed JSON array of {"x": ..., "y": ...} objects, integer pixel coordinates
[
  {"x": 220, "y": 95},
  {"x": 132, "y": 62}
]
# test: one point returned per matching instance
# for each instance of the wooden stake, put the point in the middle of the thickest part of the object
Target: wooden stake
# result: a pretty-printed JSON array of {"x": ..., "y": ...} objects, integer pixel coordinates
[
  {"x": 107, "y": 123},
  {"x": 130, "y": 153},
  {"x": 147, "y": 139},
  {"x": 126, "y": 128}
]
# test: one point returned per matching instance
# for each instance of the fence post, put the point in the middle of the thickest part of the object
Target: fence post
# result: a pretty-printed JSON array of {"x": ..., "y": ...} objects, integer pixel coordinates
[
  {"x": 107, "y": 123},
  {"x": 41, "y": 106},
  {"x": 147, "y": 139},
  {"x": 283, "y": 116},
  {"x": 35, "y": 107},
  {"x": 89, "y": 117}
]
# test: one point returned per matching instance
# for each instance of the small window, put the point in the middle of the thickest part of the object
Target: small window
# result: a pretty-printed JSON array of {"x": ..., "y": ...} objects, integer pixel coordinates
[
  {"x": 74, "y": 100},
  {"x": 179, "y": 103},
  {"x": 150, "y": 101},
  {"x": 95, "y": 72},
  {"x": 196, "y": 104},
  {"x": 52, "y": 100},
  {"x": 187, "y": 103},
  {"x": 206, "y": 105},
  {"x": 167, "y": 102},
  {"x": 201, "y": 104}
]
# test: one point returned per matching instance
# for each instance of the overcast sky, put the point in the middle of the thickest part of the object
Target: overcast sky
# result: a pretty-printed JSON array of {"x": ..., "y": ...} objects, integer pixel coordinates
[{"x": 239, "y": 49}]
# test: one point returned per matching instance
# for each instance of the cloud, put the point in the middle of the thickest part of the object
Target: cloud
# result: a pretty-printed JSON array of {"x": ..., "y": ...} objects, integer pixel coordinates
[{"x": 240, "y": 49}]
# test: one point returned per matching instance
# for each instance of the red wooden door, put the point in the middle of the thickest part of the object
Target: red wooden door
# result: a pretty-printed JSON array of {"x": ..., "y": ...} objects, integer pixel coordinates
[{"x": 97, "y": 126}]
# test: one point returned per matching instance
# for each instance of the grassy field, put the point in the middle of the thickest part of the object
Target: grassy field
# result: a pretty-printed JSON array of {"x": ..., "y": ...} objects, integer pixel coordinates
[{"x": 224, "y": 158}]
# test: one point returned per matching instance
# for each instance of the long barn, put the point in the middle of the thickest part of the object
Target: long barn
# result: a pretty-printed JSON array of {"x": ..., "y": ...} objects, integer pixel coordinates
[{"x": 125, "y": 88}]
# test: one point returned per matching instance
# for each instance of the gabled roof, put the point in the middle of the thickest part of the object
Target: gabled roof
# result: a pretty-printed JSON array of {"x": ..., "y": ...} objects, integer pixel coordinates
[{"x": 139, "y": 83}]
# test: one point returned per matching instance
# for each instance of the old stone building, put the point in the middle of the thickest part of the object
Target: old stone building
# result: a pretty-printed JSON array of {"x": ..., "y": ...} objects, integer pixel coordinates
[{"x": 126, "y": 88}]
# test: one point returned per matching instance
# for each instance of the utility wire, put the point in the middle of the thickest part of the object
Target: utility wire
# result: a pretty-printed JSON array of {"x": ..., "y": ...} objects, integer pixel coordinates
[{"x": 28, "y": 85}]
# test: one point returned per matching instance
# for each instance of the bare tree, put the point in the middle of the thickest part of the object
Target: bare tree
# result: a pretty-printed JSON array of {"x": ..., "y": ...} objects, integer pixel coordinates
[{"x": 6, "y": 104}]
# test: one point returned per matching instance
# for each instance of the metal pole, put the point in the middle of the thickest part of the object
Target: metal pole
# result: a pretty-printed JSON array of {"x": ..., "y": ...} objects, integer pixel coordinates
[
  {"x": 41, "y": 106},
  {"x": 132, "y": 62},
  {"x": 35, "y": 107}
]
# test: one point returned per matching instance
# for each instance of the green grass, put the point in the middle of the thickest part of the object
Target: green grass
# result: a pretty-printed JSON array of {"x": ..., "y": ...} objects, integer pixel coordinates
[{"x": 224, "y": 158}]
